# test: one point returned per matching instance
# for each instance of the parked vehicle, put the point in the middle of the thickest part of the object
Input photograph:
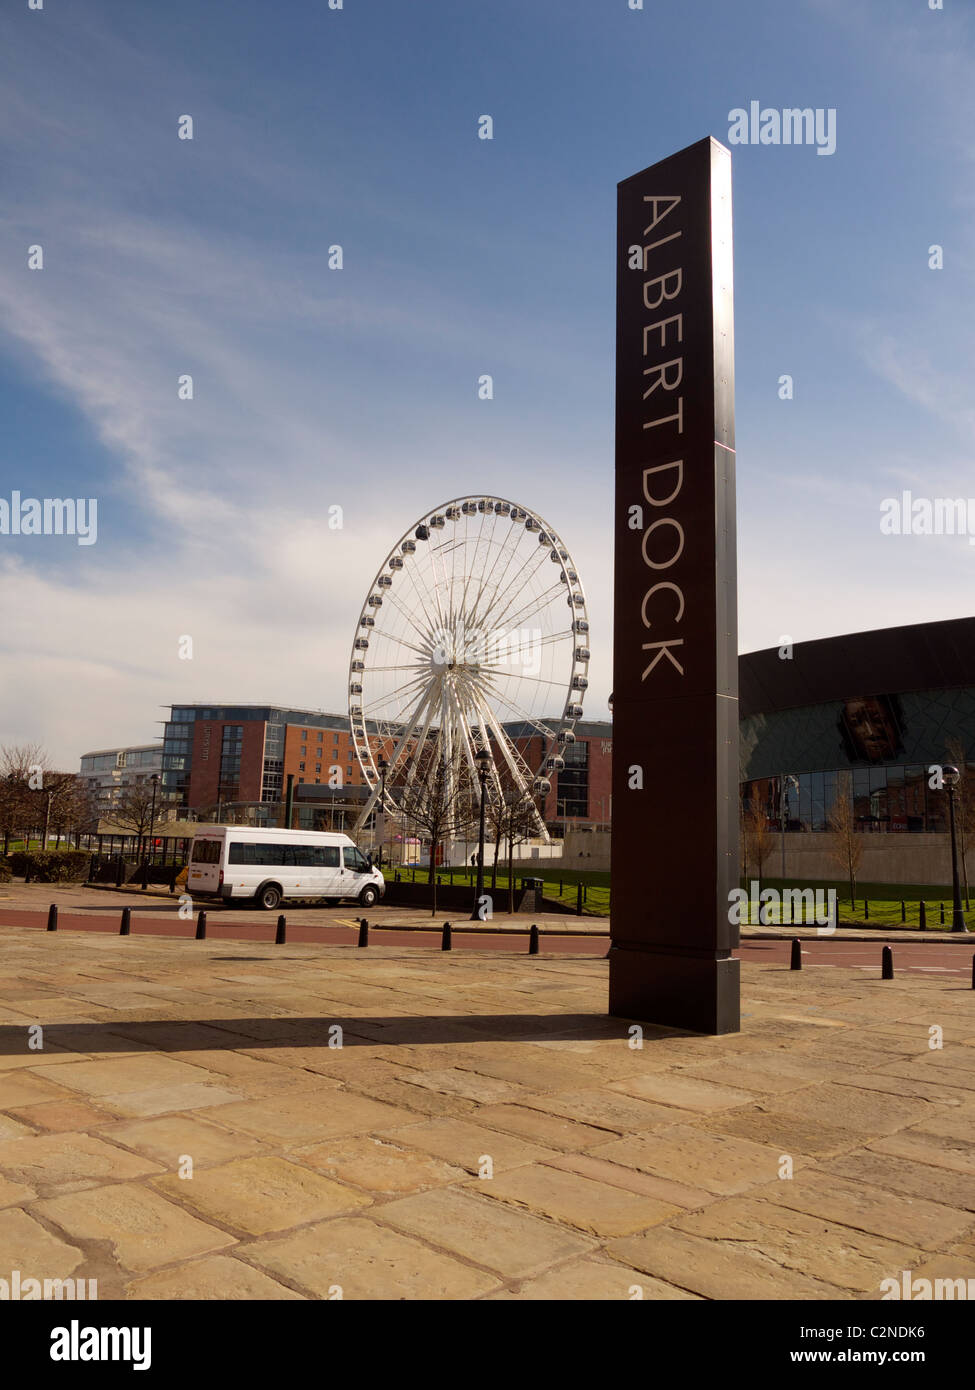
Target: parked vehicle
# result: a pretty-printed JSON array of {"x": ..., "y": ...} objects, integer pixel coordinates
[{"x": 265, "y": 866}]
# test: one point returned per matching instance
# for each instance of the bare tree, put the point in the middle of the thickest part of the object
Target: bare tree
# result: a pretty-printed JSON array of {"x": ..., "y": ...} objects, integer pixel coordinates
[
  {"x": 437, "y": 804},
  {"x": 134, "y": 810},
  {"x": 519, "y": 821},
  {"x": 73, "y": 809},
  {"x": 35, "y": 794},
  {"x": 19, "y": 807},
  {"x": 846, "y": 850},
  {"x": 757, "y": 838}
]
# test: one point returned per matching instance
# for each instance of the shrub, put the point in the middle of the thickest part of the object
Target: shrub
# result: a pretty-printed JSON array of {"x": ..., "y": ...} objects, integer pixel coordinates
[{"x": 52, "y": 865}]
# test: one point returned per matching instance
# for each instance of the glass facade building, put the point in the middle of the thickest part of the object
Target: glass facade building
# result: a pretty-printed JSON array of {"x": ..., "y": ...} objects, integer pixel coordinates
[{"x": 880, "y": 710}]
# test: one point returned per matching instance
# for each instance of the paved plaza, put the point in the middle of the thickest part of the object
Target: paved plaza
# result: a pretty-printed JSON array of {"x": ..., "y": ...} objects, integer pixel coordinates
[{"x": 189, "y": 1129}]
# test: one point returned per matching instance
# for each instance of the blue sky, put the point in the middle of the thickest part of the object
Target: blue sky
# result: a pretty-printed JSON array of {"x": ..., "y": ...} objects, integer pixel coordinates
[{"x": 358, "y": 387}]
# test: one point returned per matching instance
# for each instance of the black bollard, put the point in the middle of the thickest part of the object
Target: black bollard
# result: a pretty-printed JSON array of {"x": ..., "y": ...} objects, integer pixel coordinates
[
  {"x": 279, "y": 934},
  {"x": 119, "y": 872},
  {"x": 903, "y": 910},
  {"x": 52, "y": 917},
  {"x": 172, "y": 879},
  {"x": 887, "y": 968},
  {"x": 145, "y": 874},
  {"x": 91, "y": 868},
  {"x": 866, "y": 910},
  {"x": 363, "y": 932},
  {"x": 126, "y": 928},
  {"x": 796, "y": 961},
  {"x": 922, "y": 916},
  {"x": 942, "y": 914},
  {"x": 27, "y": 870},
  {"x": 578, "y": 899},
  {"x": 201, "y": 926},
  {"x": 533, "y": 940},
  {"x": 973, "y": 972},
  {"x": 445, "y": 943}
]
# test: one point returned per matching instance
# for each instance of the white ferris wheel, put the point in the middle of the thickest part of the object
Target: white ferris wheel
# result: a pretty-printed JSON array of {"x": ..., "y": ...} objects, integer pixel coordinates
[{"x": 474, "y": 634}]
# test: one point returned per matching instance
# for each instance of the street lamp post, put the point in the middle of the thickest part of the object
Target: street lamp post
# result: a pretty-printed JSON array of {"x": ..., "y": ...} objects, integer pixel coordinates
[
  {"x": 784, "y": 806},
  {"x": 952, "y": 777},
  {"x": 483, "y": 760},
  {"x": 154, "y": 779},
  {"x": 383, "y": 769}
]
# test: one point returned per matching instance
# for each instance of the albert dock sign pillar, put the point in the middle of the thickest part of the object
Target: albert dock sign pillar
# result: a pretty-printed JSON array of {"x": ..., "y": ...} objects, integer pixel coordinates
[{"x": 675, "y": 661}]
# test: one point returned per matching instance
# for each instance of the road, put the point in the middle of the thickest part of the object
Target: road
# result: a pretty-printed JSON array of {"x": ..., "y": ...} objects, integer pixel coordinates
[{"x": 950, "y": 956}]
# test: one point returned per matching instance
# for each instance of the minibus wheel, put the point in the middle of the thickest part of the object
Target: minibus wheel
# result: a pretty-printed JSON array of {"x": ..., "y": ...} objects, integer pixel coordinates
[
  {"x": 369, "y": 897},
  {"x": 269, "y": 897}
]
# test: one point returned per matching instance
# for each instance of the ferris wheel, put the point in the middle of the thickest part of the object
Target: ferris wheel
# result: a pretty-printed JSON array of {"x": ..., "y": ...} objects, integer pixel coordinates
[{"x": 474, "y": 635}]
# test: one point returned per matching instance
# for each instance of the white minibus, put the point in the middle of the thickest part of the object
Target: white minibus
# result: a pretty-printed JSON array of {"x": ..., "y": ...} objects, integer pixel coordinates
[{"x": 265, "y": 866}]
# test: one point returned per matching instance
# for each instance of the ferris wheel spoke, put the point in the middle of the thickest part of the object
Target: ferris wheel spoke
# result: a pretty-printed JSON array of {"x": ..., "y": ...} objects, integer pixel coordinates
[
  {"x": 495, "y": 615},
  {"x": 429, "y": 600},
  {"x": 516, "y": 763},
  {"x": 521, "y": 777},
  {"x": 402, "y": 642},
  {"x": 545, "y": 729},
  {"x": 417, "y": 622},
  {"x": 502, "y": 550},
  {"x": 383, "y": 701},
  {"x": 515, "y": 535},
  {"x": 375, "y": 670},
  {"x": 376, "y": 792},
  {"x": 533, "y": 680},
  {"x": 515, "y": 607},
  {"x": 500, "y": 662}
]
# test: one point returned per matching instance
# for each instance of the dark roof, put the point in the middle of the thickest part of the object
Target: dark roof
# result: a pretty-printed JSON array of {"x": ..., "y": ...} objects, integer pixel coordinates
[
  {"x": 888, "y": 661},
  {"x": 584, "y": 728}
]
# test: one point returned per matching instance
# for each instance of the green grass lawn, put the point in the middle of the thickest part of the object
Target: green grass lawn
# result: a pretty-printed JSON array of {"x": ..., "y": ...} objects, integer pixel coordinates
[
  {"x": 884, "y": 903},
  {"x": 884, "y": 899}
]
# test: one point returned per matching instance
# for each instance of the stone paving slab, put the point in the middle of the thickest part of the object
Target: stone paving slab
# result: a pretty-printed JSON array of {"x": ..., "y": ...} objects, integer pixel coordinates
[{"x": 190, "y": 1130}]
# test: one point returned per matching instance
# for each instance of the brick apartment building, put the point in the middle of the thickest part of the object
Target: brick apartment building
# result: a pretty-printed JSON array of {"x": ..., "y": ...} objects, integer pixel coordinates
[
  {"x": 215, "y": 756},
  {"x": 218, "y": 756},
  {"x": 581, "y": 792}
]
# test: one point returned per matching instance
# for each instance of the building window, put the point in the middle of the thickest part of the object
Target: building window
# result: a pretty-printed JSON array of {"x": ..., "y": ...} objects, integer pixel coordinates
[
  {"x": 319, "y": 736},
  {"x": 301, "y": 767},
  {"x": 318, "y": 767},
  {"x": 572, "y": 785}
]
